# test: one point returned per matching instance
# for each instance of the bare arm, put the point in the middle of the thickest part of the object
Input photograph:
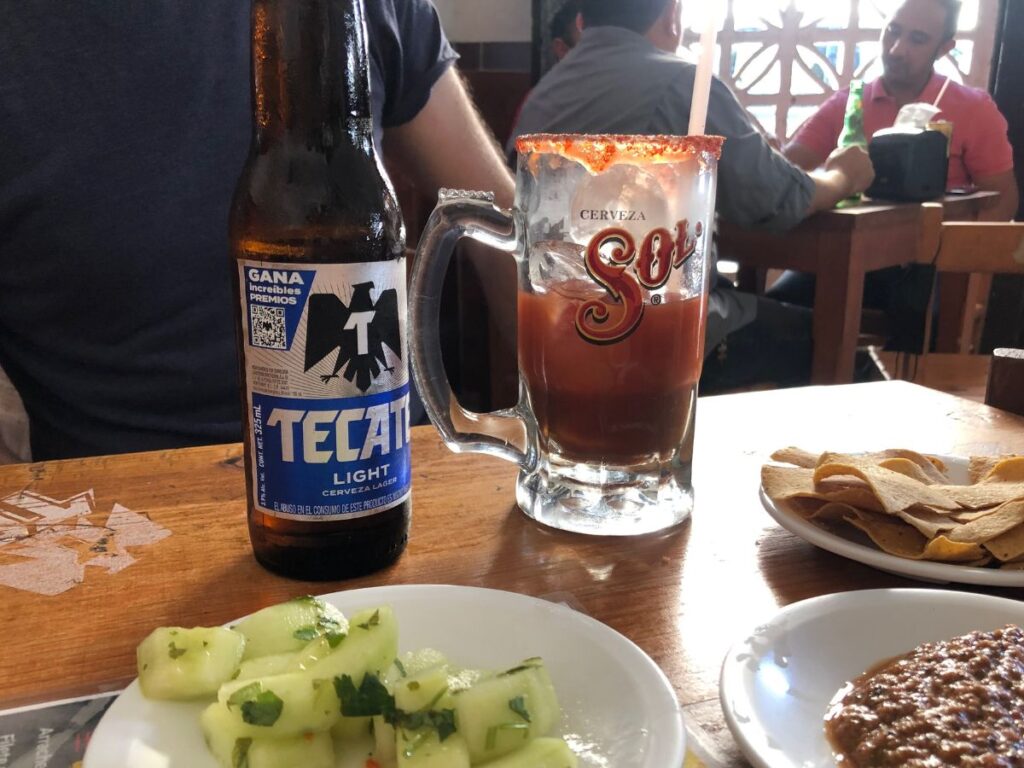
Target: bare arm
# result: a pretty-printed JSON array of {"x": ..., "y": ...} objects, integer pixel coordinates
[
  {"x": 803, "y": 156},
  {"x": 847, "y": 172},
  {"x": 448, "y": 145},
  {"x": 1005, "y": 184}
]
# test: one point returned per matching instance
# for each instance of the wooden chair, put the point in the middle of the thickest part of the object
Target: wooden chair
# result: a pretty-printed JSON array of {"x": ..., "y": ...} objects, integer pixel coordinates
[
  {"x": 959, "y": 248},
  {"x": 1006, "y": 381}
]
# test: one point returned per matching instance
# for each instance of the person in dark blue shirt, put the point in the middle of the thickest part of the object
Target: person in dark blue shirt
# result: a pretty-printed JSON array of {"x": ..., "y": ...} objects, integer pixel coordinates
[{"x": 125, "y": 124}]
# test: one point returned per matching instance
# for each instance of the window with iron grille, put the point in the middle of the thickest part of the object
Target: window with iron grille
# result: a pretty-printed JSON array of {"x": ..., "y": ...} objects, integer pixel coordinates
[{"x": 783, "y": 58}]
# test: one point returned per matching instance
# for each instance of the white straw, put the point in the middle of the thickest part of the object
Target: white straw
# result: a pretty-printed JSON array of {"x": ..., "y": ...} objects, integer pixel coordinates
[
  {"x": 942, "y": 93},
  {"x": 702, "y": 80}
]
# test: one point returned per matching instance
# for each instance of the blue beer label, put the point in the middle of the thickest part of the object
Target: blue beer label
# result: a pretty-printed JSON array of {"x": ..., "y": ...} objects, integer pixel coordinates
[{"x": 327, "y": 385}]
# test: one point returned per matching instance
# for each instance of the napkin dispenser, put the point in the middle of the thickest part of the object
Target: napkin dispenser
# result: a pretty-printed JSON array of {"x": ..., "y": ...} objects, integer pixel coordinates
[{"x": 910, "y": 165}]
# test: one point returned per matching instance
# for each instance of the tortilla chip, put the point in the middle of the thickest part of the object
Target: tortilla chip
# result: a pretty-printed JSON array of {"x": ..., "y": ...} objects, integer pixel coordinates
[
  {"x": 889, "y": 535},
  {"x": 902, "y": 540},
  {"x": 931, "y": 466},
  {"x": 895, "y": 492},
  {"x": 927, "y": 521},
  {"x": 1009, "y": 547},
  {"x": 1009, "y": 470},
  {"x": 1018, "y": 566},
  {"x": 796, "y": 456},
  {"x": 905, "y": 504},
  {"x": 908, "y": 468},
  {"x": 979, "y": 466},
  {"x": 982, "y": 495},
  {"x": 789, "y": 483},
  {"x": 966, "y": 516},
  {"x": 832, "y": 512},
  {"x": 1002, "y": 520}
]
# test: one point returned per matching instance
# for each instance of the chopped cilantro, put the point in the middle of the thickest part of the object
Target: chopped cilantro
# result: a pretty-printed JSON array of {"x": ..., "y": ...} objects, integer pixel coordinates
[
  {"x": 373, "y": 621},
  {"x": 518, "y": 706},
  {"x": 401, "y": 668},
  {"x": 174, "y": 651},
  {"x": 334, "y": 638},
  {"x": 308, "y": 600},
  {"x": 305, "y": 633},
  {"x": 240, "y": 753},
  {"x": 245, "y": 693},
  {"x": 413, "y": 685},
  {"x": 444, "y": 721},
  {"x": 528, "y": 664},
  {"x": 371, "y": 698},
  {"x": 265, "y": 709},
  {"x": 258, "y": 707}
]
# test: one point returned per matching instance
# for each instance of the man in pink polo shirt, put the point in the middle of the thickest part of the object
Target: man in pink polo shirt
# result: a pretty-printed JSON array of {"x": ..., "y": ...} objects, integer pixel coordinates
[{"x": 919, "y": 33}]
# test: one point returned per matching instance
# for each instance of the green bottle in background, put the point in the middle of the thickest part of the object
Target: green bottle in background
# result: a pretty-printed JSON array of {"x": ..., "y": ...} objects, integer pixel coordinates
[{"x": 853, "y": 129}]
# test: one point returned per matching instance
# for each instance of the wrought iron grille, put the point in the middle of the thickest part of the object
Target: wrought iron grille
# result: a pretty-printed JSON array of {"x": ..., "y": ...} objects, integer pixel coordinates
[{"x": 784, "y": 57}]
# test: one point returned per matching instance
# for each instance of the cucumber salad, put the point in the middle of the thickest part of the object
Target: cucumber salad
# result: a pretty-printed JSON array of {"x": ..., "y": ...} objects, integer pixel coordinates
[{"x": 301, "y": 684}]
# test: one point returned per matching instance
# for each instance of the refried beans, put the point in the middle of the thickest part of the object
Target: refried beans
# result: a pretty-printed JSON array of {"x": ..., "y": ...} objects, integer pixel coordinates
[{"x": 955, "y": 703}]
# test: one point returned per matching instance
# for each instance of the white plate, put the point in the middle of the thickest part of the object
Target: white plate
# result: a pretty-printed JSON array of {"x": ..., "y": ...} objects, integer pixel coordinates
[
  {"x": 620, "y": 709},
  {"x": 777, "y": 683},
  {"x": 869, "y": 555}
]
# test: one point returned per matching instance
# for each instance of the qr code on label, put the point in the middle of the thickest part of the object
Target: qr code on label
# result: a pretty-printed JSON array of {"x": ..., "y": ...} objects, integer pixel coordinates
[{"x": 267, "y": 327}]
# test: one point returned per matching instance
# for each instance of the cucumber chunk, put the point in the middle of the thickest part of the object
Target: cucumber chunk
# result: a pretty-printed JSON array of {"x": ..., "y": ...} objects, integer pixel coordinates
[
  {"x": 177, "y": 663},
  {"x": 539, "y": 753},
  {"x": 265, "y": 666},
  {"x": 370, "y": 646},
  {"x": 350, "y": 728},
  {"x": 501, "y": 714},
  {"x": 412, "y": 663},
  {"x": 384, "y": 738},
  {"x": 281, "y": 706},
  {"x": 309, "y": 750},
  {"x": 219, "y": 731},
  {"x": 424, "y": 749},
  {"x": 289, "y": 627},
  {"x": 425, "y": 690},
  {"x": 356, "y": 754}
]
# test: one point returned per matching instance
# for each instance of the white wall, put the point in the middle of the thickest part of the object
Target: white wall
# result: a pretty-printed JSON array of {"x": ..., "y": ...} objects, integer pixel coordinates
[{"x": 486, "y": 21}]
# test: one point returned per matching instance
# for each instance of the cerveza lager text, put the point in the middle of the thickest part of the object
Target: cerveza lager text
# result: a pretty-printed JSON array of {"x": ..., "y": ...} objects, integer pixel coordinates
[{"x": 318, "y": 263}]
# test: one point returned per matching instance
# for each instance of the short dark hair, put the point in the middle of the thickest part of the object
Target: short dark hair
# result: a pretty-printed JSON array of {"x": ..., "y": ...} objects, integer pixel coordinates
[
  {"x": 564, "y": 20},
  {"x": 637, "y": 15},
  {"x": 952, "y": 9}
]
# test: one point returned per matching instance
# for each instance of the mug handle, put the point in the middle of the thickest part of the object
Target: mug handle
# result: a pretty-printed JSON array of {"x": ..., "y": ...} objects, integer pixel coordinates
[{"x": 507, "y": 434}]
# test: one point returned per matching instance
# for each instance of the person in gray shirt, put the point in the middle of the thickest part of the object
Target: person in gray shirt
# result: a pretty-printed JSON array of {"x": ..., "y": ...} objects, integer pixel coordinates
[{"x": 624, "y": 77}]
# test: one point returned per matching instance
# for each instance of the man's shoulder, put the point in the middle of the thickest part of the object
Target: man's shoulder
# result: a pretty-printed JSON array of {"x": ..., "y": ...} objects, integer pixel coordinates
[{"x": 967, "y": 94}]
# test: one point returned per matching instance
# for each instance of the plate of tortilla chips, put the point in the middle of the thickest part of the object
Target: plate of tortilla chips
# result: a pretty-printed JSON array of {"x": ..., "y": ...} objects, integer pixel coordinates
[{"x": 937, "y": 518}]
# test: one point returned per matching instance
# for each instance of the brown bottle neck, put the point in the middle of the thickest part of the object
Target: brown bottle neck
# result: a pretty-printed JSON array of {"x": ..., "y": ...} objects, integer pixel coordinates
[{"x": 311, "y": 75}]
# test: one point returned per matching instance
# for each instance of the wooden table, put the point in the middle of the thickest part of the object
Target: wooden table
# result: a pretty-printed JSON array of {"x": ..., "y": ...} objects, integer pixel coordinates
[
  {"x": 668, "y": 594},
  {"x": 839, "y": 247}
]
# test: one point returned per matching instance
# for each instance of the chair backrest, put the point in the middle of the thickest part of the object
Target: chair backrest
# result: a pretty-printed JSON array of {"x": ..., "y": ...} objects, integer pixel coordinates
[
  {"x": 971, "y": 247},
  {"x": 1006, "y": 381},
  {"x": 968, "y": 248}
]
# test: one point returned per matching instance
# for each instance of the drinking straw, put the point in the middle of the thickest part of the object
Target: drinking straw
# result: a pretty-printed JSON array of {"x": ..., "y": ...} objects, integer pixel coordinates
[
  {"x": 702, "y": 80},
  {"x": 942, "y": 93}
]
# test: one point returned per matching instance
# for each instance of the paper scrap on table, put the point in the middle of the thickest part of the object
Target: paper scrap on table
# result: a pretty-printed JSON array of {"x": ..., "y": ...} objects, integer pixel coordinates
[{"x": 46, "y": 544}]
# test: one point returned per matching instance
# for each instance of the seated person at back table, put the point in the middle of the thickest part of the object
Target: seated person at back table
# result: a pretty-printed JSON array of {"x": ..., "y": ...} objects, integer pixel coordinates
[
  {"x": 918, "y": 34},
  {"x": 121, "y": 149},
  {"x": 624, "y": 77}
]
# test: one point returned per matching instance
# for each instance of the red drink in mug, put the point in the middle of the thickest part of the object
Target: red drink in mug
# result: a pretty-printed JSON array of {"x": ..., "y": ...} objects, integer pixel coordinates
[{"x": 609, "y": 235}]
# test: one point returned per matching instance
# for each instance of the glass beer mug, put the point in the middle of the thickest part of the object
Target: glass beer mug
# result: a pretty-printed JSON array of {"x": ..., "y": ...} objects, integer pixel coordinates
[{"x": 611, "y": 237}]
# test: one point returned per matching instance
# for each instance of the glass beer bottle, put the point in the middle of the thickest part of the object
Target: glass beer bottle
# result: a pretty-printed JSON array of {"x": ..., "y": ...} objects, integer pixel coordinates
[{"x": 318, "y": 263}]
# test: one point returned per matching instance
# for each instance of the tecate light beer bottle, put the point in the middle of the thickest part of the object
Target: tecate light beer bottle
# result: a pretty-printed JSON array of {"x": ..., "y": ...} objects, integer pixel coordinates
[{"x": 318, "y": 263}]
